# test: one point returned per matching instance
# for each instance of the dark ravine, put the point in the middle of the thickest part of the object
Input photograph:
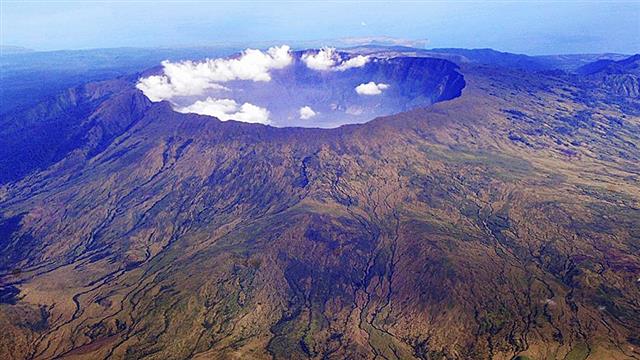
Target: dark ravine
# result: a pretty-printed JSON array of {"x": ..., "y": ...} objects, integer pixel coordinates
[{"x": 485, "y": 226}]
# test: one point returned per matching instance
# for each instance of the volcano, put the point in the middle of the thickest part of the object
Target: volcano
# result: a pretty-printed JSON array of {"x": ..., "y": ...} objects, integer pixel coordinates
[{"x": 486, "y": 212}]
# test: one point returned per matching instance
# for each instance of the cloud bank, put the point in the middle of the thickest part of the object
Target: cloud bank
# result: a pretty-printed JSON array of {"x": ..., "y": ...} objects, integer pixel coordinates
[
  {"x": 307, "y": 112},
  {"x": 371, "y": 88},
  {"x": 190, "y": 78},
  {"x": 228, "y": 109},
  {"x": 327, "y": 59}
]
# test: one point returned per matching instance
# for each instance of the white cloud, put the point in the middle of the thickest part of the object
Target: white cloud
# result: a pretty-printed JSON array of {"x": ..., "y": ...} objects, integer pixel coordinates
[
  {"x": 328, "y": 59},
  {"x": 160, "y": 87},
  {"x": 228, "y": 109},
  {"x": 371, "y": 88},
  {"x": 307, "y": 112},
  {"x": 355, "y": 62},
  {"x": 190, "y": 78},
  {"x": 322, "y": 60}
]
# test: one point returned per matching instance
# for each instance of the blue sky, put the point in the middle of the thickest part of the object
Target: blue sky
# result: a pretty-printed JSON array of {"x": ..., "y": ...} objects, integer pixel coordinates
[{"x": 532, "y": 27}]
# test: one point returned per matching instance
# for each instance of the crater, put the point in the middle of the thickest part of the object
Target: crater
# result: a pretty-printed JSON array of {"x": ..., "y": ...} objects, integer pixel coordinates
[{"x": 314, "y": 89}]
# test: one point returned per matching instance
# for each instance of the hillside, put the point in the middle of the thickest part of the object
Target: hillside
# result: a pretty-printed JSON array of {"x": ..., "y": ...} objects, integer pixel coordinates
[{"x": 504, "y": 223}]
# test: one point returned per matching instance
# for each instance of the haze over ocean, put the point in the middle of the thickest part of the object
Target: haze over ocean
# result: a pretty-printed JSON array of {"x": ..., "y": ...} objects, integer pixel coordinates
[{"x": 531, "y": 27}]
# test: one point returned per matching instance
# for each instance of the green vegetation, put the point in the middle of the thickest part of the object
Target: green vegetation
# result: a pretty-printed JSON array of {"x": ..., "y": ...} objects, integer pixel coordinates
[{"x": 579, "y": 352}]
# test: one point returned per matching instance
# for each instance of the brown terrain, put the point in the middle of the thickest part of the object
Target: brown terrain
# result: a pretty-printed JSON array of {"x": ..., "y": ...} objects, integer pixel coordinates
[{"x": 502, "y": 224}]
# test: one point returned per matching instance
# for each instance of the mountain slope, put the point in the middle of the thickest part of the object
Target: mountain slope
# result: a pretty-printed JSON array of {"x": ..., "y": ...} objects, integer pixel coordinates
[
  {"x": 82, "y": 119},
  {"x": 620, "y": 77},
  {"x": 503, "y": 223}
]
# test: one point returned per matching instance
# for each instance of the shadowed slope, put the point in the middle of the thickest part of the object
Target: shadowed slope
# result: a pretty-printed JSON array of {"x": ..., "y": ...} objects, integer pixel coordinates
[{"x": 86, "y": 118}]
